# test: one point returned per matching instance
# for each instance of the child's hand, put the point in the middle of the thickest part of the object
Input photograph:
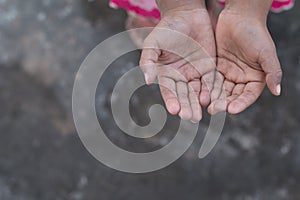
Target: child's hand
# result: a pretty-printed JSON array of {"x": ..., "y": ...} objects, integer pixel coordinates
[
  {"x": 247, "y": 59},
  {"x": 184, "y": 87}
]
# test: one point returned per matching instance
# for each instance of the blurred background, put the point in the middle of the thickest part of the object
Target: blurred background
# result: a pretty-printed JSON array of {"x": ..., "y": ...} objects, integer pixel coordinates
[{"x": 42, "y": 44}]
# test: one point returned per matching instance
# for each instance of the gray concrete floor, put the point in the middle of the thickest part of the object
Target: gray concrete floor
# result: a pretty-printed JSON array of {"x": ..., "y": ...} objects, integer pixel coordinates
[{"x": 43, "y": 42}]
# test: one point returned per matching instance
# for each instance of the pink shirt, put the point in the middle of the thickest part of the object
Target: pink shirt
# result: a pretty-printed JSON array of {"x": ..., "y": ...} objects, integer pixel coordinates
[{"x": 148, "y": 8}]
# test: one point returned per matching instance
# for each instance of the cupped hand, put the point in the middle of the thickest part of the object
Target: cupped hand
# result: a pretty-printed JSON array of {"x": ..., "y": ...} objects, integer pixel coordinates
[
  {"x": 185, "y": 72},
  {"x": 247, "y": 61}
]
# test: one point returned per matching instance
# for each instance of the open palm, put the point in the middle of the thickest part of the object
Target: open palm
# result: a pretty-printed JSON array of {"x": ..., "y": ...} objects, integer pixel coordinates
[
  {"x": 185, "y": 71},
  {"x": 247, "y": 61}
]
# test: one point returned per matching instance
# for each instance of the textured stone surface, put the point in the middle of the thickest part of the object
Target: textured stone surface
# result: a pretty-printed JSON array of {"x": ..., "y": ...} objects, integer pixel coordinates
[{"x": 42, "y": 44}]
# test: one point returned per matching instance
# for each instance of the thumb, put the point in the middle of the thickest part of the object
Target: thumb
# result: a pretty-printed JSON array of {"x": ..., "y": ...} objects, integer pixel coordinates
[
  {"x": 271, "y": 66},
  {"x": 148, "y": 62}
]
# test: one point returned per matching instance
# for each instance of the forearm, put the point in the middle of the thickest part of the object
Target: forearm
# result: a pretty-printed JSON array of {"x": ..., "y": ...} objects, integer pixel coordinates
[
  {"x": 258, "y": 9},
  {"x": 172, "y": 5}
]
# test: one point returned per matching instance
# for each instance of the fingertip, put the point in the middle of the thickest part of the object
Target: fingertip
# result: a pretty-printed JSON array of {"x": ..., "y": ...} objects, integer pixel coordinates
[
  {"x": 278, "y": 89},
  {"x": 173, "y": 106},
  {"x": 186, "y": 112},
  {"x": 217, "y": 106},
  {"x": 149, "y": 79},
  {"x": 274, "y": 83},
  {"x": 275, "y": 90},
  {"x": 214, "y": 112},
  {"x": 196, "y": 117},
  {"x": 220, "y": 106},
  {"x": 204, "y": 98},
  {"x": 210, "y": 110},
  {"x": 148, "y": 66},
  {"x": 185, "y": 115},
  {"x": 235, "y": 108}
]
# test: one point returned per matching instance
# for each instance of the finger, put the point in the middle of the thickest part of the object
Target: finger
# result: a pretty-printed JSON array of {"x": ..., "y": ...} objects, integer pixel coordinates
[
  {"x": 218, "y": 105},
  {"x": 249, "y": 95},
  {"x": 194, "y": 92},
  {"x": 238, "y": 89},
  {"x": 218, "y": 85},
  {"x": 221, "y": 105},
  {"x": 185, "y": 108},
  {"x": 148, "y": 62},
  {"x": 271, "y": 66},
  {"x": 226, "y": 96},
  {"x": 207, "y": 82},
  {"x": 228, "y": 86},
  {"x": 168, "y": 92},
  {"x": 234, "y": 94}
]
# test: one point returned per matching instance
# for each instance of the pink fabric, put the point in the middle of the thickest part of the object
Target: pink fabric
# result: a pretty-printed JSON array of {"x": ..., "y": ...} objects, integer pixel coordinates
[
  {"x": 277, "y": 6},
  {"x": 148, "y": 8},
  {"x": 282, "y": 5}
]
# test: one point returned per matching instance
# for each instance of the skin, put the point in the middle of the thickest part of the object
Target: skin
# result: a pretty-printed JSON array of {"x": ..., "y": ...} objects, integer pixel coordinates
[
  {"x": 247, "y": 58},
  {"x": 185, "y": 87},
  {"x": 246, "y": 61}
]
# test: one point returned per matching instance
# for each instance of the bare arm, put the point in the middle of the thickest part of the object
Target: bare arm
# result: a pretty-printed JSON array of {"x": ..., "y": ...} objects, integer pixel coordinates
[
  {"x": 179, "y": 5},
  {"x": 257, "y": 9}
]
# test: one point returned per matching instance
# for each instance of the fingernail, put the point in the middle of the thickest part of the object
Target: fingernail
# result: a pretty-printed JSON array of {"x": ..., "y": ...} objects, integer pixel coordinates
[
  {"x": 278, "y": 89},
  {"x": 194, "y": 122},
  {"x": 147, "y": 79}
]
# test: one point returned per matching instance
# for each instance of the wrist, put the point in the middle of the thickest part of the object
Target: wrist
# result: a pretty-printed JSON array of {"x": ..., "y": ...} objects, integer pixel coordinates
[
  {"x": 167, "y": 6},
  {"x": 255, "y": 9}
]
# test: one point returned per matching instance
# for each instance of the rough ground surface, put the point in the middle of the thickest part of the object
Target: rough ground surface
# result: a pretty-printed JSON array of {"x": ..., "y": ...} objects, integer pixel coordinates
[{"x": 43, "y": 42}]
